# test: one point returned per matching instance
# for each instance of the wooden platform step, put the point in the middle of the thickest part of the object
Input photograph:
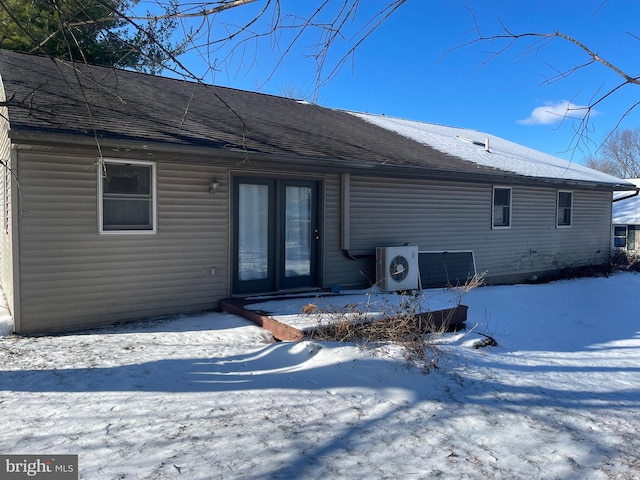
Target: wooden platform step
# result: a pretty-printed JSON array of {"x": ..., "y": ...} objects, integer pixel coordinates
[{"x": 454, "y": 318}]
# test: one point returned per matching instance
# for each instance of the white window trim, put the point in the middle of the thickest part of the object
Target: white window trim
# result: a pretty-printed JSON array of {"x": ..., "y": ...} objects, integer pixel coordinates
[
  {"x": 154, "y": 198},
  {"x": 626, "y": 236},
  {"x": 493, "y": 207},
  {"x": 558, "y": 206}
]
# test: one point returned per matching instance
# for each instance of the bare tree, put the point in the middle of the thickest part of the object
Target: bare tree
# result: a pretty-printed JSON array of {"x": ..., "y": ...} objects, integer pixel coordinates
[
  {"x": 619, "y": 154},
  {"x": 535, "y": 43},
  {"x": 215, "y": 35},
  {"x": 218, "y": 33},
  {"x": 222, "y": 34},
  {"x": 91, "y": 31}
]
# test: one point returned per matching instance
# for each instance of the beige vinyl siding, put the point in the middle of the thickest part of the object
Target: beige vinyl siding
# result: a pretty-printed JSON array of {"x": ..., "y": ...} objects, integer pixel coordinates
[
  {"x": 537, "y": 244},
  {"x": 335, "y": 267},
  {"x": 7, "y": 185},
  {"x": 73, "y": 276},
  {"x": 457, "y": 216}
]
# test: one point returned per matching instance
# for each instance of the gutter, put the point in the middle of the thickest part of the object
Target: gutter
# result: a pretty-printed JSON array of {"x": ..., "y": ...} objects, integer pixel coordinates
[
  {"x": 236, "y": 157},
  {"x": 152, "y": 150},
  {"x": 635, "y": 194}
]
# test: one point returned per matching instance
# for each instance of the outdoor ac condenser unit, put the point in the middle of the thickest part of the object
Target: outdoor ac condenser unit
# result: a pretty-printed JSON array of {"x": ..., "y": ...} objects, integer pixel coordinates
[{"x": 397, "y": 268}]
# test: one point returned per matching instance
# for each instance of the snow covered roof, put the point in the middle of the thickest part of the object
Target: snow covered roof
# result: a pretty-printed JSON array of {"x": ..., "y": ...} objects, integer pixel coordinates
[
  {"x": 627, "y": 212},
  {"x": 501, "y": 154}
]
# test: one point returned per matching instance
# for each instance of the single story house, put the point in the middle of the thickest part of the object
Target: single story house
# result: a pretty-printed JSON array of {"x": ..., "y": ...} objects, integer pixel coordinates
[
  {"x": 127, "y": 195},
  {"x": 626, "y": 219}
]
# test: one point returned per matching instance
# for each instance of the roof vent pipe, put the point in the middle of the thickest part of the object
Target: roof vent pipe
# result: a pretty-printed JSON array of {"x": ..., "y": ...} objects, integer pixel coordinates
[{"x": 486, "y": 145}]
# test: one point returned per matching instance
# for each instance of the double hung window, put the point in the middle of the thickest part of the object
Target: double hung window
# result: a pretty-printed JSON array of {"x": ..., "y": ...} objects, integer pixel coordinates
[
  {"x": 624, "y": 236},
  {"x": 127, "y": 197},
  {"x": 565, "y": 207},
  {"x": 501, "y": 212},
  {"x": 620, "y": 233}
]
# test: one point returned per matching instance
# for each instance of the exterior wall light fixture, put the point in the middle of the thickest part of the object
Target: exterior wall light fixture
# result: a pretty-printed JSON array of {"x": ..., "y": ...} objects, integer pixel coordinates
[{"x": 213, "y": 186}]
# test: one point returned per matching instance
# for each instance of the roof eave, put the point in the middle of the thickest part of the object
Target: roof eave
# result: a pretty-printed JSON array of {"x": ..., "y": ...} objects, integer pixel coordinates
[{"x": 62, "y": 140}]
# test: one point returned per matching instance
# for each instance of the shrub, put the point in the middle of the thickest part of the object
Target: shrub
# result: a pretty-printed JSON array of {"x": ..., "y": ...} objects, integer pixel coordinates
[
  {"x": 625, "y": 260},
  {"x": 407, "y": 323}
]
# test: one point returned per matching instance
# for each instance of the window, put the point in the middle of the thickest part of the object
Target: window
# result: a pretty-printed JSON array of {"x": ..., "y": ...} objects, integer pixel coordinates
[
  {"x": 620, "y": 236},
  {"x": 501, "y": 215},
  {"x": 565, "y": 206},
  {"x": 127, "y": 197},
  {"x": 624, "y": 236}
]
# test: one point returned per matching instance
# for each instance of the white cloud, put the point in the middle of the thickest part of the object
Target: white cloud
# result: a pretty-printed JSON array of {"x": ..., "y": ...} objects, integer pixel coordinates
[{"x": 552, "y": 113}]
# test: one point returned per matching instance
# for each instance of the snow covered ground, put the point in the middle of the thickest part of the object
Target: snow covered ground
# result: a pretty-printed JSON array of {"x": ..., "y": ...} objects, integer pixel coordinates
[{"x": 212, "y": 397}]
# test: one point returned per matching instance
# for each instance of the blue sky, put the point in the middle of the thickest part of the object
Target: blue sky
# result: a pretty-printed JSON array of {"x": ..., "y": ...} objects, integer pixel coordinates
[{"x": 403, "y": 69}]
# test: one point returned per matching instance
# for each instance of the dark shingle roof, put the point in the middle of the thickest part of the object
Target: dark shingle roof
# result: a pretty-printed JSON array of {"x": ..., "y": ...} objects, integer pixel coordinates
[{"x": 53, "y": 97}]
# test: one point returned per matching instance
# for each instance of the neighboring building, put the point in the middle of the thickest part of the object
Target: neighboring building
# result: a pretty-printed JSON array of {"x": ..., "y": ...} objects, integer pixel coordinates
[
  {"x": 129, "y": 196},
  {"x": 626, "y": 219}
]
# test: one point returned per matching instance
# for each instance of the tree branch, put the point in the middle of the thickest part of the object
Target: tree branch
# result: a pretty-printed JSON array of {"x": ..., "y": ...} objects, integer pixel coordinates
[
  {"x": 506, "y": 39},
  {"x": 225, "y": 5}
]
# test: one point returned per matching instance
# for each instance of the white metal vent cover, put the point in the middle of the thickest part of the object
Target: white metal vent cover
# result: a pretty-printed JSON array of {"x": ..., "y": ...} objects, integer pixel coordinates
[{"x": 397, "y": 268}]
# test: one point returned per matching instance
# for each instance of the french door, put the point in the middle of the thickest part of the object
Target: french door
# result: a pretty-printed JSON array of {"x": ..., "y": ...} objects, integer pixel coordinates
[{"x": 275, "y": 234}]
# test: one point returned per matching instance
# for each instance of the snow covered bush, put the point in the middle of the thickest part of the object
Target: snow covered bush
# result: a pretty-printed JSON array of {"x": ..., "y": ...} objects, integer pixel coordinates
[
  {"x": 405, "y": 319},
  {"x": 625, "y": 260}
]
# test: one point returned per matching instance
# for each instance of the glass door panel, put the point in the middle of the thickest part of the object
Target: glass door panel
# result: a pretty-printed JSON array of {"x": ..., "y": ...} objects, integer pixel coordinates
[
  {"x": 275, "y": 234},
  {"x": 253, "y": 232},
  {"x": 297, "y": 231}
]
